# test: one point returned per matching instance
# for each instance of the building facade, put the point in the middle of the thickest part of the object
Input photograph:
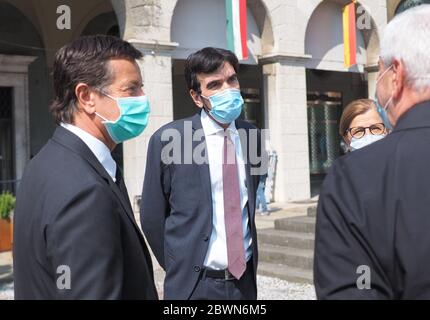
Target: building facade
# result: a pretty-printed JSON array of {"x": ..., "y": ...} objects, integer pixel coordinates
[{"x": 294, "y": 83}]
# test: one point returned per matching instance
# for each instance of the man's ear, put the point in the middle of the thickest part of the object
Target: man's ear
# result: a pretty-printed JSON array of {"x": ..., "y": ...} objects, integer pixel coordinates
[
  {"x": 196, "y": 98},
  {"x": 85, "y": 97},
  {"x": 398, "y": 78}
]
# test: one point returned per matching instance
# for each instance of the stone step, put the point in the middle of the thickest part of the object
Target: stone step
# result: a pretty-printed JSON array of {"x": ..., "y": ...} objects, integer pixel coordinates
[
  {"x": 291, "y": 239},
  {"x": 296, "y": 224},
  {"x": 6, "y": 275},
  {"x": 296, "y": 258},
  {"x": 285, "y": 272},
  {"x": 312, "y": 211}
]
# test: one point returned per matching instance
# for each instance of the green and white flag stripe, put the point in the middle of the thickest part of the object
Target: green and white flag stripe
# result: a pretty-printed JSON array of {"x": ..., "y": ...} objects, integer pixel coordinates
[{"x": 236, "y": 28}]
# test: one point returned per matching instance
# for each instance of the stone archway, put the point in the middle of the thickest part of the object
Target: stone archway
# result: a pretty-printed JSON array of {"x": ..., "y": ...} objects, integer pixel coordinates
[
  {"x": 330, "y": 85},
  {"x": 19, "y": 48},
  {"x": 324, "y": 39},
  {"x": 258, "y": 8},
  {"x": 101, "y": 10}
]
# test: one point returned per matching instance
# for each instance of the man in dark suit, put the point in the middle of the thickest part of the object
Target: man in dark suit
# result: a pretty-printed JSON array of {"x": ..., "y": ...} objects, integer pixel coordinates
[
  {"x": 372, "y": 234},
  {"x": 198, "y": 206},
  {"x": 75, "y": 232}
]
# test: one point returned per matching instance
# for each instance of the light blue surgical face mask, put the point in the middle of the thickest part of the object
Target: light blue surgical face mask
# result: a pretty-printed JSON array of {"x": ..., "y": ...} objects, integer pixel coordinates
[
  {"x": 368, "y": 139},
  {"x": 226, "y": 105},
  {"x": 133, "y": 119},
  {"x": 382, "y": 110}
]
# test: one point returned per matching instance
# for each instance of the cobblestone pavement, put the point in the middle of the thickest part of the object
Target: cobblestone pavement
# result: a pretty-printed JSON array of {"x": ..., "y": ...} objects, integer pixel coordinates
[
  {"x": 277, "y": 289},
  {"x": 268, "y": 289},
  {"x": 6, "y": 291}
]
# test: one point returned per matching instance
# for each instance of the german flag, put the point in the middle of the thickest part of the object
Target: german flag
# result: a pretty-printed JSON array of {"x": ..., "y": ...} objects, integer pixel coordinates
[{"x": 349, "y": 34}]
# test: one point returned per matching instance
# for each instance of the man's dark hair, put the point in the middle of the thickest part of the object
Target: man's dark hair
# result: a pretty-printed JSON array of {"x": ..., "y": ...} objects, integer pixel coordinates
[
  {"x": 207, "y": 60},
  {"x": 85, "y": 61}
]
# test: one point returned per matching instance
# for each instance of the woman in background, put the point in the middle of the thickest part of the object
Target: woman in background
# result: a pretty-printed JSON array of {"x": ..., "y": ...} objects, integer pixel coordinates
[{"x": 361, "y": 124}]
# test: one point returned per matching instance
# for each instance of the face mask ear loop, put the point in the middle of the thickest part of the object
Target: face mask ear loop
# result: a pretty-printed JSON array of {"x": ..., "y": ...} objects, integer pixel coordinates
[
  {"x": 100, "y": 116},
  {"x": 204, "y": 105},
  {"x": 388, "y": 102},
  {"x": 383, "y": 74},
  {"x": 117, "y": 104}
]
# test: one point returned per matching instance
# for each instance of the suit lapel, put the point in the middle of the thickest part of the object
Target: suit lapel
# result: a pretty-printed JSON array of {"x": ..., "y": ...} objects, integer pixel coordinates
[
  {"x": 203, "y": 168},
  {"x": 122, "y": 187},
  {"x": 76, "y": 145},
  {"x": 122, "y": 195}
]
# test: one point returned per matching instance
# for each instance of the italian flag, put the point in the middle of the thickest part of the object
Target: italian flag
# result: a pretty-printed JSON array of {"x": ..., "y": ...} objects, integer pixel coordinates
[
  {"x": 236, "y": 28},
  {"x": 349, "y": 35}
]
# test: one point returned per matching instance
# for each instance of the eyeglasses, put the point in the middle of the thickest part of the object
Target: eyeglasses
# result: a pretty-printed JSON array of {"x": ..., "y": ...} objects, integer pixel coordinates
[{"x": 376, "y": 129}]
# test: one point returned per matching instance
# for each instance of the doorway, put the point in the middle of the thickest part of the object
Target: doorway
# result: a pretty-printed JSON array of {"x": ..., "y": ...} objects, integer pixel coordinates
[
  {"x": 329, "y": 92},
  {"x": 7, "y": 138}
]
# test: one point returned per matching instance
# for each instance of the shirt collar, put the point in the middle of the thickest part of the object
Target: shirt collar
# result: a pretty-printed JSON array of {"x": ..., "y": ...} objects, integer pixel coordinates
[
  {"x": 210, "y": 127},
  {"x": 100, "y": 150}
]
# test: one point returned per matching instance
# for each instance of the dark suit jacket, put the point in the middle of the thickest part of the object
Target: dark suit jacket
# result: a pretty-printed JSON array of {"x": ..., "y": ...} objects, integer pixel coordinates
[
  {"x": 374, "y": 211},
  {"x": 176, "y": 210},
  {"x": 70, "y": 213}
]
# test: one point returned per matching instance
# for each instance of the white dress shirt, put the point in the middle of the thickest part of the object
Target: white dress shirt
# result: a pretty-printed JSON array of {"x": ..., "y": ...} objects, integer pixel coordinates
[
  {"x": 216, "y": 257},
  {"x": 100, "y": 150}
]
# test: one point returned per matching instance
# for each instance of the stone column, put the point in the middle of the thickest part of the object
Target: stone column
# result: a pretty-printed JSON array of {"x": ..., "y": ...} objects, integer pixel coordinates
[
  {"x": 14, "y": 73},
  {"x": 156, "y": 68},
  {"x": 372, "y": 75},
  {"x": 287, "y": 121}
]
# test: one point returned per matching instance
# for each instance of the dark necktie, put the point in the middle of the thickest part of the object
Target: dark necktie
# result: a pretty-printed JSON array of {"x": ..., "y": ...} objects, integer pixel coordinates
[
  {"x": 232, "y": 210},
  {"x": 119, "y": 181},
  {"x": 118, "y": 177}
]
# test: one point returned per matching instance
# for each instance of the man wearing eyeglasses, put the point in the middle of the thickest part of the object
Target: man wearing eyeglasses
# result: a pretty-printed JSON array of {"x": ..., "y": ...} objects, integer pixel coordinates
[{"x": 373, "y": 221}]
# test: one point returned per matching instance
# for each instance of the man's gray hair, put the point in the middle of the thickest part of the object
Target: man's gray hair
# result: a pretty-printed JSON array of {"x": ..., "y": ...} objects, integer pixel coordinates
[{"x": 407, "y": 38}]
